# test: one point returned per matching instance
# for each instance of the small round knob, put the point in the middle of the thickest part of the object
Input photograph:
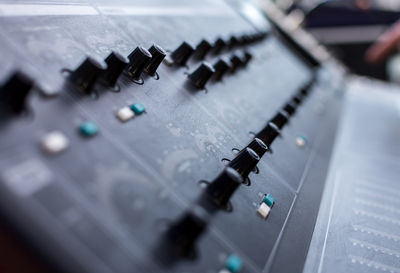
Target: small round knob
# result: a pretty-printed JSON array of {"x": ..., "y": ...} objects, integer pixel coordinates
[
  {"x": 86, "y": 74},
  {"x": 290, "y": 108},
  {"x": 116, "y": 64},
  {"x": 138, "y": 60},
  {"x": 202, "y": 49},
  {"x": 220, "y": 67},
  {"x": 219, "y": 44},
  {"x": 268, "y": 134},
  {"x": 201, "y": 75},
  {"x": 224, "y": 186},
  {"x": 158, "y": 54},
  {"x": 245, "y": 161},
  {"x": 236, "y": 63},
  {"x": 280, "y": 119},
  {"x": 258, "y": 146},
  {"x": 184, "y": 232},
  {"x": 14, "y": 92},
  {"x": 181, "y": 55}
]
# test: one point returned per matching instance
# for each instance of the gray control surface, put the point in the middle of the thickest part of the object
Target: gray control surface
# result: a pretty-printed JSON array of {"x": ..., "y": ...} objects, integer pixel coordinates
[
  {"x": 92, "y": 190},
  {"x": 358, "y": 226}
]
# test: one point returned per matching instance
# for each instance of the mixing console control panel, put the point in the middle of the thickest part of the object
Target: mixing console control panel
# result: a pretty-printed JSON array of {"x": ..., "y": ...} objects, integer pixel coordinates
[{"x": 146, "y": 136}]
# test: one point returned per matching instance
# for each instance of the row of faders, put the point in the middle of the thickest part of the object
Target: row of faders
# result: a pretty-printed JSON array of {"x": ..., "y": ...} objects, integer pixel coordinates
[
  {"x": 93, "y": 75},
  {"x": 181, "y": 237}
]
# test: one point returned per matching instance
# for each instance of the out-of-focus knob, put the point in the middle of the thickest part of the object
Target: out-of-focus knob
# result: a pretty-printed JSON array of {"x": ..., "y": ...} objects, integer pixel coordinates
[
  {"x": 305, "y": 90},
  {"x": 184, "y": 233},
  {"x": 14, "y": 92},
  {"x": 268, "y": 134},
  {"x": 245, "y": 161},
  {"x": 224, "y": 186},
  {"x": 158, "y": 54},
  {"x": 290, "y": 108},
  {"x": 85, "y": 76},
  {"x": 264, "y": 34},
  {"x": 138, "y": 60},
  {"x": 280, "y": 119},
  {"x": 247, "y": 56},
  {"x": 201, "y": 75},
  {"x": 261, "y": 35},
  {"x": 258, "y": 146},
  {"x": 233, "y": 41},
  {"x": 219, "y": 44},
  {"x": 181, "y": 55},
  {"x": 297, "y": 99},
  {"x": 202, "y": 49},
  {"x": 220, "y": 67},
  {"x": 247, "y": 39},
  {"x": 236, "y": 62},
  {"x": 116, "y": 64}
]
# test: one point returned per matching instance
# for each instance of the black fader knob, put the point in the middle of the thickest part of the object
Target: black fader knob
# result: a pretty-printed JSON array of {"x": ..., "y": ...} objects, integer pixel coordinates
[
  {"x": 224, "y": 186},
  {"x": 247, "y": 56},
  {"x": 183, "y": 233},
  {"x": 258, "y": 146},
  {"x": 297, "y": 100},
  {"x": 268, "y": 134},
  {"x": 219, "y": 44},
  {"x": 264, "y": 34},
  {"x": 14, "y": 92},
  {"x": 182, "y": 54},
  {"x": 254, "y": 37},
  {"x": 257, "y": 37},
  {"x": 280, "y": 119},
  {"x": 202, "y": 49},
  {"x": 245, "y": 161},
  {"x": 233, "y": 41},
  {"x": 236, "y": 62},
  {"x": 305, "y": 89},
  {"x": 138, "y": 60},
  {"x": 261, "y": 35},
  {"x": 201, "y": 75},
  {"x": 116, "y": 64},
  {"x": 158, "y": 54},
  {"x": 85, "y": 76},
  {"x": 290, "y": 108},
  {"x": 220, "y": 67},
  {"x": 244, "y": 39}
]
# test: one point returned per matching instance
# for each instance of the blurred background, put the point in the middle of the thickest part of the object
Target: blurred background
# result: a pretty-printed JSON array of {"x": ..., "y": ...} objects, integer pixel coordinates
[{"x": 363, "y": 34}]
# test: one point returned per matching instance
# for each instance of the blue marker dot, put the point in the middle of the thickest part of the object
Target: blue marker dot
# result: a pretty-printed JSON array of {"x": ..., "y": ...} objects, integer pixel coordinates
[
  {"x": 269, "y": 200},
  {"x": 88, "y": 128},
  {"x": 234, "y": 263},
  {"x": 138, "y": 108}
]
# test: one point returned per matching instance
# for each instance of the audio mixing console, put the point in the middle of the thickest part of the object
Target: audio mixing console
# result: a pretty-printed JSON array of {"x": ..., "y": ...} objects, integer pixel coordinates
[{"x": 153, "y": 136}]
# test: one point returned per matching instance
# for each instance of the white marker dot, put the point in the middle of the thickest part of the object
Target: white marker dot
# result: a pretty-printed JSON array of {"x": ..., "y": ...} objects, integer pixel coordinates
[
  {"x": 54, "y": 142},
  {"x": 263, "y": 210},
  {"x": 125, "y": 114}
]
